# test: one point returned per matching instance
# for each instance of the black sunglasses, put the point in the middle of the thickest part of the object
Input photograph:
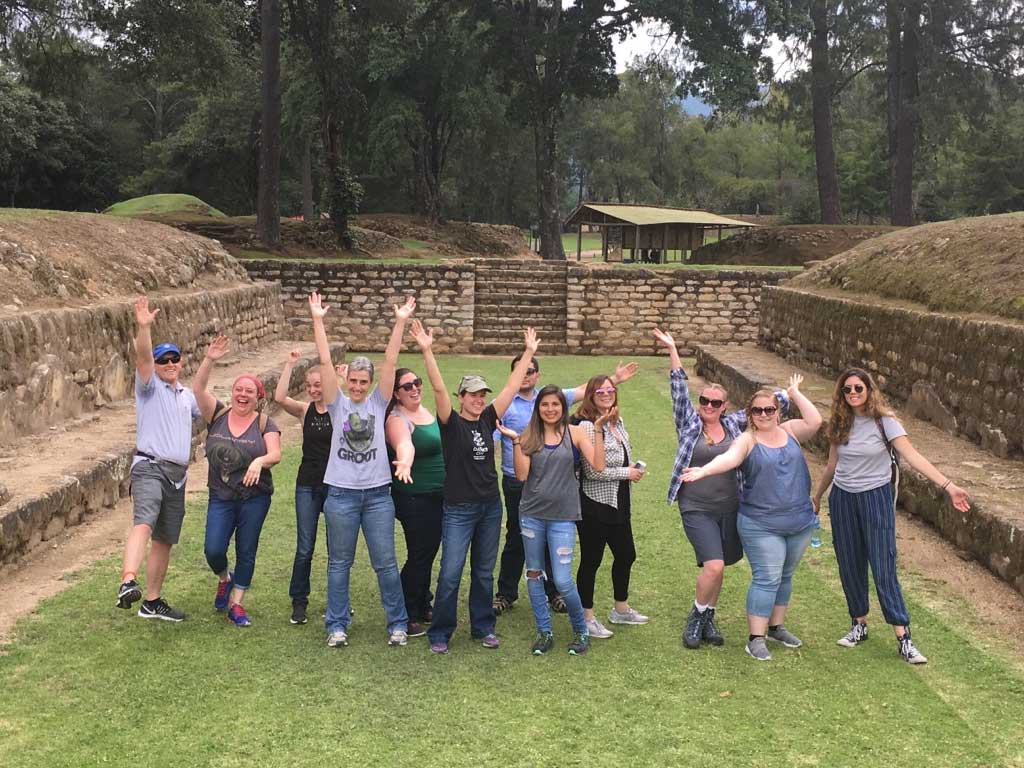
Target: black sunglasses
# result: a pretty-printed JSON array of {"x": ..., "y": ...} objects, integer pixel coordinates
[
  {"x": 858, "y": 388},
  {"x": 409, "y": 386},
  {"x": 168, "y": 359},
  {"x": 768, "y": 410},
  {"x": 530, "y": 371},
  {"x": 713, "y": 403}
]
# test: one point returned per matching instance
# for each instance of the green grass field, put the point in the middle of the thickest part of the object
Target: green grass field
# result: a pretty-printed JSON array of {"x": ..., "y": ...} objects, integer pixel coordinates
[
  {"x": 163, "y": 204},
  {"x": 86, "y": 684}
]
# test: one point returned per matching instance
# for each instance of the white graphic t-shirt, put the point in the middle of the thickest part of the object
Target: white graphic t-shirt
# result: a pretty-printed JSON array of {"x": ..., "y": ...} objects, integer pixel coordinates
[{"x": 358, "y": 459}]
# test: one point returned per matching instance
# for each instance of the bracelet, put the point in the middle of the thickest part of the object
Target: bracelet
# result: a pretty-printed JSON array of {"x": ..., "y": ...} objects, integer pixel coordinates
[
  {"x": 515, "y": 442},
  {"x": 946, "y": 484}
]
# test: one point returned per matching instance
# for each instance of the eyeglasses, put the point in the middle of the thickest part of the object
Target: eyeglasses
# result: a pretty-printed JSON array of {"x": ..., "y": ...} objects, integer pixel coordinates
[
  {"x": 166, "y": 359},
  {"x": 713, "y": 403},
  {"x": 409, "y": 386},
  {"x": 530, "y": 371},
  {"x": 858, "y": 388},
  {"x": 605, "y": 391},
  {"x": 768, "y": 410}
]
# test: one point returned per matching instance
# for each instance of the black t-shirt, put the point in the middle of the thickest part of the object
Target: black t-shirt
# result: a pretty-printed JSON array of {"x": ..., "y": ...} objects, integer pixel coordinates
[
  {"x": 316, "y": 447},
  {"x": 470, "y": 474}
]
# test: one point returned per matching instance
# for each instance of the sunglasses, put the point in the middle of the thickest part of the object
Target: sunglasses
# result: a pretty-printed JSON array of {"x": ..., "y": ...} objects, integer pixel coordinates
[
  {"x": 713, "y": 403},
  {"x": 530, "y": 371},
  {"x": 605, "y": 391},
  {"x": 768, "y": 410},
  {"x": 409, "y": 386},
  {"x": 166, "y": 359},
  {"x": 858, "y": 388}
]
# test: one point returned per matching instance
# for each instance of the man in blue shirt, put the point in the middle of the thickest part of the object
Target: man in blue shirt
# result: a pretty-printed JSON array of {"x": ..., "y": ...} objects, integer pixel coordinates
[{"x": 516, "y": 418}]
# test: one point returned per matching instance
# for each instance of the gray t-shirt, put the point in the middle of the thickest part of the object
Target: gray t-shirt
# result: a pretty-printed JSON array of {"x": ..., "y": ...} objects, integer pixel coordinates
[
  {"x": 715, "y": 493},
  {"x": 863, "y": 462},
  {"x": 551, "y": 491},
  {"x": 359, "y": 458}
]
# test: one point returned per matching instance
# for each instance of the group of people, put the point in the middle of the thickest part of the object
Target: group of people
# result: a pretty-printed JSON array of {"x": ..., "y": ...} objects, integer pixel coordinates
[{"x": 374, "y": 454}]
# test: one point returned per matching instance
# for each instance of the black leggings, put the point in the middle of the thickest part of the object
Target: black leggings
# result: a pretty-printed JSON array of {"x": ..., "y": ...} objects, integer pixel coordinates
[{"x": 594, "y": 535}]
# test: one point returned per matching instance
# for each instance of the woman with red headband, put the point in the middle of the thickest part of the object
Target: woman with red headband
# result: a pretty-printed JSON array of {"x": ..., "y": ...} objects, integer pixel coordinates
[{"x": 242, "y": 443}]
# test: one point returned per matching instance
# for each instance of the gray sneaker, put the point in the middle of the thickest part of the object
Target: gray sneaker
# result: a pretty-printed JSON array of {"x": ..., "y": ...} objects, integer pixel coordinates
[
  {"x": 858, "y": 634},
  {"x": 909, "y": 651},
  {"x": 758, "y": 649},
  {"x": 398, "y": 637},
  {"x": 598, "y": 630},
  {"x": 631, "y": 616},
  {"x": 784, "y": 636},
  {"x": 337, "y": 639}
]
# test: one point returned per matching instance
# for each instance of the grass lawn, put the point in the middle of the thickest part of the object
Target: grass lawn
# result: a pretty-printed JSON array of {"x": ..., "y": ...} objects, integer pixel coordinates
[
  {"x": 591, "y": 242},
  {"x": 87, "y": 684},
  {"x": 163, "y": 204}
]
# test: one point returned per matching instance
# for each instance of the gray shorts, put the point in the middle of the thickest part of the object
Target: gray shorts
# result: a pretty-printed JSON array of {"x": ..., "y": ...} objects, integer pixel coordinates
[
  {"x": 156, "y": 502},
  {"x": 713, "y": 536}
]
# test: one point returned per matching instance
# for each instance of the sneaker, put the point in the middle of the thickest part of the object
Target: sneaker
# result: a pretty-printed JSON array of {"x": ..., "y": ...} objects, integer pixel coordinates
[
  {"x": 220, "y": 600},
  {"x": 337, "y": 639},
  {"x": 557, "y": 604},
  {"x": 694, "y": 629},
  {"x": 440, "y": 647},
  {"x": 630, "y": 616},
  {"x": 490, "y": 641},
  {"x": 580, "y": 644},
  {"x": 238, "y": 616},
  {"x": 710, "y": 633},
  {"x": 858, "y": 634},
  {"x": 298, "y": 614},
  {"x": 597, "y": 630},
  {"x": 758, "y": 649},
  {"x": 782, "y": 635},
  {"x": 416, "y": 629},
  {"x": 909, "y": 651},
  {"x": 398, "y": 637},
  {"x": 159, "y": 609},
  {"x": 501, "y": 604},
  {"x": 542, "y": 643},
  {"x": 128, "y": 593}
]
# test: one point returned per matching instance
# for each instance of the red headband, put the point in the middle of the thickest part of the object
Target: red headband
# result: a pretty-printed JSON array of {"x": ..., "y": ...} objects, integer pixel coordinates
[{"x": 256, "y": 382}]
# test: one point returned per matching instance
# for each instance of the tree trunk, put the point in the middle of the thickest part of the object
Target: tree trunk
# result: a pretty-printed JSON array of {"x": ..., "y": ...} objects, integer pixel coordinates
[
  {"x": 821, "y": 95},
  {"x": 906, "y": 116},
  {"x": 307, "y": 179},
  {"x": 545, "y": 135},
  {"x": 268, "y": 212}
]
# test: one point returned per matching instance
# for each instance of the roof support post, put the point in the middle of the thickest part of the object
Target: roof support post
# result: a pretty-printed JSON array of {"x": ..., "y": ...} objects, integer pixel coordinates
[{"x": 579, "y": 242}]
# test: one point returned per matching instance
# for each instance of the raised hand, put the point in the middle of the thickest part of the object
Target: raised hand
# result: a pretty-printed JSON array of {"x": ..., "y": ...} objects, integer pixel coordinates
[
  {"x": 530, "y": 340},
  {"x": 511, "y": 434},
  {"x": 611, "y": 417},
  {"x": 316, "y": 306},
  {"x": 405, "y": 311},
  {"x": 794, "y": 383},
  {"x": 143, "y": 315},
  {"x": 664, "y": 338},
  {"x": 341, "y": 371},
  {"x": 424, "y": 338},
  {"x": 625, "y": 372},
  {"x": 218, "y": 348},
  {"x": 293, "y": 356}
]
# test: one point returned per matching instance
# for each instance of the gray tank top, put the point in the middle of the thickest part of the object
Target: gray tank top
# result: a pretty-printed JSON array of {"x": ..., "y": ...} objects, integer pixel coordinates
[
  {"x": 717, "y": 493},
  {"x": 552, "y": 491}
]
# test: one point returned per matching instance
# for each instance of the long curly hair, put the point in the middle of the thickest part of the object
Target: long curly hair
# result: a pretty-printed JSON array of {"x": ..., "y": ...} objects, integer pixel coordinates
[
  {"x": 841, "y": 421},
  {"x": 751, "y": 427},
  {"x": 532, "y": 438},
  {"x": 587, "y": 409}
]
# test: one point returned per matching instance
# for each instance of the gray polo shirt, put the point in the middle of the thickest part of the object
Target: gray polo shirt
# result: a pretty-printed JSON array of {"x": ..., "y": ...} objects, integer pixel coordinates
[
  {"x": 863, "y": 464},
  {"x": 163, "y": 418}
]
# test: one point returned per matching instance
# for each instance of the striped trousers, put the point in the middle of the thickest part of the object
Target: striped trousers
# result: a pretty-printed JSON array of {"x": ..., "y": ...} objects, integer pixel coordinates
[{"x": 863, "y": 533}]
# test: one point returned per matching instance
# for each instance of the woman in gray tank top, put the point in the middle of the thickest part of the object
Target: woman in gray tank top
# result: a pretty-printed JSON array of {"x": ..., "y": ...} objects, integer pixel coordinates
[{"x": 545, "y": 460}]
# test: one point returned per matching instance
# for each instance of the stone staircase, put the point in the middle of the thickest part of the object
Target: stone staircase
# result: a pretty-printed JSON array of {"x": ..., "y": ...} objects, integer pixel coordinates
[{"x": 511, "y": 295}]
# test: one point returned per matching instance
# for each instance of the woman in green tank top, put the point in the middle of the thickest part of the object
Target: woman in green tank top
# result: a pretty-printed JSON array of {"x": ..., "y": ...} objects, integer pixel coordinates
[{"x": 414, "y": 437}]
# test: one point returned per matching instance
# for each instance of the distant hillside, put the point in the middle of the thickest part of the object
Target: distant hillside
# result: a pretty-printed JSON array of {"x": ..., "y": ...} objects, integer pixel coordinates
[
  {"x": 791, "y": 245},
  {"x": 163, "y": 204}
]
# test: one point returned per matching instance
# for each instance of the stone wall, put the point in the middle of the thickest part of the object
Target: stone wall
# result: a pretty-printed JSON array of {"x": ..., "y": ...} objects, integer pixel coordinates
[
  {"x": 963, "y": 375},
  {"x": 58, "y": 364}
]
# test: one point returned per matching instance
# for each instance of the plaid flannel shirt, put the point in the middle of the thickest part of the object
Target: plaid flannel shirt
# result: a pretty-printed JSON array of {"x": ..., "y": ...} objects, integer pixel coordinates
[
  {"x": 603, "y": 486},
  {"x": 689, "y": 427}
]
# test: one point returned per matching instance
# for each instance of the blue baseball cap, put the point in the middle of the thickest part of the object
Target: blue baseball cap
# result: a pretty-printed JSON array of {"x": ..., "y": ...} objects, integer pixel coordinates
[{"x": 162, "y": 349}]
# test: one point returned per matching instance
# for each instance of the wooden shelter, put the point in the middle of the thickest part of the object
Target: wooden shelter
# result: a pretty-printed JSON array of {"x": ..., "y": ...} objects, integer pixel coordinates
[{"x": 650, "y": 232}]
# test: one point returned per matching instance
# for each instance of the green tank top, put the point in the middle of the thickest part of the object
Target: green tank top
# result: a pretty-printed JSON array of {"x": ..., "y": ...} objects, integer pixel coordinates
[{"x": 428, "y": 466}]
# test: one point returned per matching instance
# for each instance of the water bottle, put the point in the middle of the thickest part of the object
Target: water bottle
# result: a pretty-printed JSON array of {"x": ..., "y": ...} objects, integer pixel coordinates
[{"x": 816, "y": 533}]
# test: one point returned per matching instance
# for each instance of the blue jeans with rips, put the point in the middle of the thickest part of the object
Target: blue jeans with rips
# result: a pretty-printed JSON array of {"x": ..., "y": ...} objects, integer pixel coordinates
[
  {"x": 556, "y": 538},
  {"x": 475, "y": 529},
  {"x": 346, "y": 511},
  {"x": 773, "y": 560},
  {"x": 243, "y": 519},
  {"x": 309, "y": 504}
]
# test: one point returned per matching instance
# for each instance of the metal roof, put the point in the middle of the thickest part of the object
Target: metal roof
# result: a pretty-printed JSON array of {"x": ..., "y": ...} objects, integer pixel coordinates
[{"x": 642, "y": 215}]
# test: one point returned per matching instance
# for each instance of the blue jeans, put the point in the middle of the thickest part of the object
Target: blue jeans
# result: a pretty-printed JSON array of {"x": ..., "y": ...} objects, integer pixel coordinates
[
  {"x": 477, "y": 525},
  {"x": 242, "y": 518},
  {"x": 309, "y": 503},
  {"x": 372, "y": 509},
  {"x": 557, "y": 538},
  {"x": 773, "y": 559}
]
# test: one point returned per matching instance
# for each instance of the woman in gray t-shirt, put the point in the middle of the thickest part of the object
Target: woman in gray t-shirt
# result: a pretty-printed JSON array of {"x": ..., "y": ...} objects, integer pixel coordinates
[{"x": 862, "y": 432}]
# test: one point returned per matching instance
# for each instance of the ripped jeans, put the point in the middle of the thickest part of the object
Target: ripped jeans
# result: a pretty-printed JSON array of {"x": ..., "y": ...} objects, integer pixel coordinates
[{"x": 559, "y": 538}]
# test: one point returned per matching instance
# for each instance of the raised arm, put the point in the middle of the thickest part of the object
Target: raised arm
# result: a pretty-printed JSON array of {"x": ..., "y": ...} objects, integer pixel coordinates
[
  {"x": 292, "y": 406},
  {"x": 623, "y": 372},
  {"x": 809, "y": 423},
  {"x": 665, "y": 339},
  {"x": 683, "y": 412},
  {"x": 387, "y": 368},
  {"x": 400, "y": 439},
  {"x": 328, "y": 376},
  {"x": 826, "y": 478},
  {"x": 144, "y": 318},
  {"x": 957, "y": 496},
  {"x": 515, "y": 379},
  {"x": 732, "y": 458},
  {"x": 207, "y": 402},
  {"x": 425, "y": 341}
]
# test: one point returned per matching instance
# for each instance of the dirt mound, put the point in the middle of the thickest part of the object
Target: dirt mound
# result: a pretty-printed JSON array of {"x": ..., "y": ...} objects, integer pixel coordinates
[
  {"x": 50, "y": 258},
  {"x": 787, "y": 245},
  {"x": 971, "y": 265},
  {"x": 163, "y": 204},
  {"x": 455, "y": 238}
]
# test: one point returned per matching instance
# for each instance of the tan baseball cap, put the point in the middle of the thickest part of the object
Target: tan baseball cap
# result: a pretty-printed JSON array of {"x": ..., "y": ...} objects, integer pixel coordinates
[{"x": 472, "y": 383}]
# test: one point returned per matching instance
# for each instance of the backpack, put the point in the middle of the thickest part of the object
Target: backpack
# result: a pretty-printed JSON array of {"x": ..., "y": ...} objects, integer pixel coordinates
[
  {"x": 894, "y": 457},
  {"x": 264, "y": 418}
]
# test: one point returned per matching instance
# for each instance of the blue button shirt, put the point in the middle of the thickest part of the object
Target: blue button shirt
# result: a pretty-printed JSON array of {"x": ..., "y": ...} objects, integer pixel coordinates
[
  {"x": 163, "y": 416},
  {"x": 517, "y": 417}
]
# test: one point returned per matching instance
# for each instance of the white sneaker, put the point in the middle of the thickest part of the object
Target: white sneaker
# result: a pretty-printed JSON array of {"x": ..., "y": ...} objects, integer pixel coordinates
[
  {"x": 858, "y": 634},
  {"x": 631, "y": 616},
  {"x": 398, "y": 637},
  {"x": 598, "y": 630},
  {"x": 909, "y": 651},
  {"x": 337, "y": 639}
]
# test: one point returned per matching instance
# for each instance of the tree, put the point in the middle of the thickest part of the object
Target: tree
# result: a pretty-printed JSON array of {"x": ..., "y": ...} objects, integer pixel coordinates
[{"x": 268, "y": 210}]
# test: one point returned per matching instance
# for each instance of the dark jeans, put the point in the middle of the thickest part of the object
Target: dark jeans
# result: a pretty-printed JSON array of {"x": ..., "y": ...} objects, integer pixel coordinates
[
  {"x": 513, "y": 556},
  {"x": 594, "y": 535},
  {"x": 420, "y": 515},
  {"x": 243, "y": 519},
  {"x": 309, "y": 504}
]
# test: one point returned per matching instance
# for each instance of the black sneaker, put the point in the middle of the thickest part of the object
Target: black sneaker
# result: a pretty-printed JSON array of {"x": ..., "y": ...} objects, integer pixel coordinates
[
  {"x": 694, "y": 629},
  {"x": 298, "y": 613},
  {"x": 159, "y": 609},
  {"x": 542, "y": 643},
  {"x": 580, "y": 644},
  {"x": 127, "y": 594},
  {"x": 710, "y": 633}
]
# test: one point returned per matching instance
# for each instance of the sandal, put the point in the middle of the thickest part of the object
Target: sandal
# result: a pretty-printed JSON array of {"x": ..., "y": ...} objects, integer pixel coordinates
[
  {"x": 558, "y": 604},
  {"x": 501, "y": 604}
]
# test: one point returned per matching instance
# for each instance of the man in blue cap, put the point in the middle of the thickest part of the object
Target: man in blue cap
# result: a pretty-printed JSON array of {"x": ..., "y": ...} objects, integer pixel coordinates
[{"x": 164, "y": 411}]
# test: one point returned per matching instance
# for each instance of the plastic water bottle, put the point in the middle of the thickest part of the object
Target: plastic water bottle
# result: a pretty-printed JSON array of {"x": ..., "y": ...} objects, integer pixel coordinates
[{"x": 816, "y": 534}]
